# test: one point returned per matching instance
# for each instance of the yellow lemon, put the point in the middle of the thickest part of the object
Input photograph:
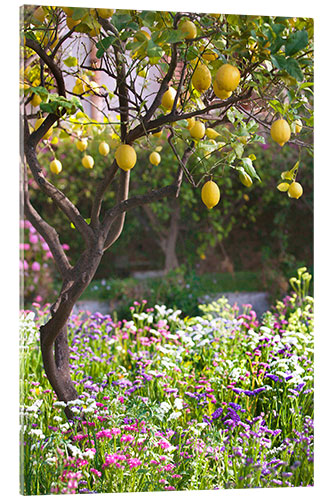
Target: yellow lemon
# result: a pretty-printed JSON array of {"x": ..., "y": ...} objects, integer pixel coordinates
[
  {"x": 283, "y": 187},
  {"x": 88, "y": 161},
  {"x": 209, "y": 54},
  {"x": 189, "y": 29},
  {"x": 227, "y": 77},
  {"x": 154, "y": 158},
  {"x": 55, "y": 167},
  {"x": 36, "y": 100},
  {"x": 210, "y": 194},
  {"x": 201, "y": 78},
  {"x": 245, "y": 179},
  {"x": 168, "y": 98},
  {"x": 104, "y": 148},
  {"x": 82, "y": 144},
  {"x": 125, "y": 157},
  {"x": 105, "y": 13},
  {"x": 280, "y": 131},
  {"x": 295, "y": 190},
  {"x": 198, "y": 130},
  {"x": 222, "y": 94},
  {"x": 190, "y": 122},
  {"x": 298, "y": 126},
  {"x": 211, "y": 133},
  {"x": 38, "y": 124}
]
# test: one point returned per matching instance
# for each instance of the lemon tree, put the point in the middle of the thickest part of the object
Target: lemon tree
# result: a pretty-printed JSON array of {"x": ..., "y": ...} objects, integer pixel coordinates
[{"x": 132, "y": 75}]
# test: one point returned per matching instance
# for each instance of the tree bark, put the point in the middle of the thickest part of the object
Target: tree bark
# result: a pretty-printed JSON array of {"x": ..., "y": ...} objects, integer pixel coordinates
[{"x": 169, "y": 244}]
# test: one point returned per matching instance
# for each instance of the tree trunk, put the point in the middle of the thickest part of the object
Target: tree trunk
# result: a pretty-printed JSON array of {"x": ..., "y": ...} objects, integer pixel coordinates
[
  {"x": 53, "y": 335},
  {"x": 169, "y": 244}
]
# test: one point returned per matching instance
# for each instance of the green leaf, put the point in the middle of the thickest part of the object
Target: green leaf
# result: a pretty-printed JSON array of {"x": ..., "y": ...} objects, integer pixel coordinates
[
  {"x": 239, "y": 149},
  {"x": 174, "y": 36},
  {"x": 120, "y": 21},
  {"x": 249, "y": 168},
  {"x": 293, "y": 68},
  {"x": 41, "y": 91},
  {"x": 70, "y": 61},
  {"x": 154, "y": 52},
  {"x": 296, "y": 42},
  {"x": 78, "y": 13},
  {"x": 278, "y": 61}
]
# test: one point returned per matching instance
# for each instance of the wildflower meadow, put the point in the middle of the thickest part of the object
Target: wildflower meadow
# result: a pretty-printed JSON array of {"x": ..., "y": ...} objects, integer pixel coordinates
[{"x": 217, "y": 401}]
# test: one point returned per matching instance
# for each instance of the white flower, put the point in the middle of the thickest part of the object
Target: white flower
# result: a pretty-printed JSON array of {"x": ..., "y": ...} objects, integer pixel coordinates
[
  {"x": 178, "y": 403},
  {"x": 75, "y": 451},
  {"x": 90, "y": 453},
  {"x": 61, "y": 404},
  {"x": 38, "y": 432},
  {"x": 174, "y": 415},
  {"x": 165, "y": 407},
  {"x": 75, "y": 402}
]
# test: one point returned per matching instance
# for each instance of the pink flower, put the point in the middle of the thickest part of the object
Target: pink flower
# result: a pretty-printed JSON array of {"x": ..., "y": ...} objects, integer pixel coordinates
[
  {"x": 65, "y": 246},
  {"x": 35, "y": 266},
  {"x": 38, "y": 298},
  {"x": 49, "y": 255},
  {"x": 33, "y": 238},
  {"x": 115, "y": 431},
  {"x": 96, "y": 472},
  {"x": 127, "y": 438},
  {"x": 134, "y": 462},
  {"x": 163, "y": 444},
  {"x": 45, "y": 246},
  {"x": 25, "y": 265}
]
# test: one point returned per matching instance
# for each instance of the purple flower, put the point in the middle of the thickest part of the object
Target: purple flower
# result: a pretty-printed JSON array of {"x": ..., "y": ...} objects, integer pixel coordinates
[
  {"x": 273, "y": 377},
  {"x": 217, "y": 413}
]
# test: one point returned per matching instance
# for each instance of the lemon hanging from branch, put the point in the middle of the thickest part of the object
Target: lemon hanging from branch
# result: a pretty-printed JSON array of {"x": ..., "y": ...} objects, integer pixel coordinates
[
  {"x": 295, "y": 190},
  {"x": 168, "y": 98},
  {"x": 198, "y": 130},
  {"x": 154, "y": 158},
  {"x": 210, "y": 194},
  {"x": 201, "y": 78},
  {"x": 189, "y": 29},
  {"x": 104, "y": 148},
  {"x": 55, "y": 166},
  {"x": 125, "y": 157},
  {"x": 227, "y": 77},
  {"x": 280, "y": 131}
]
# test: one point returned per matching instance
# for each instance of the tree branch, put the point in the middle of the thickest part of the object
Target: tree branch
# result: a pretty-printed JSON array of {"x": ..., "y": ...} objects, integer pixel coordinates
[
  {"x": 67, "y": 207},
  {"x": 48, "y": 232},
  {"x": 56, "y": 71},
  {"x": 118, "y": 224}
]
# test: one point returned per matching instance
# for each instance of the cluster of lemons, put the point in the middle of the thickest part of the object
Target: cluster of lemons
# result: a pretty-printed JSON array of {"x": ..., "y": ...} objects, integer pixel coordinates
[
  {"x": 226, "y": 80},
  {"x": 281, "y": 133}
]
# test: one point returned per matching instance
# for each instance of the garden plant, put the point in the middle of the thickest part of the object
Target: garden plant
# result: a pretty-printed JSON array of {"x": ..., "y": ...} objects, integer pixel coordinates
[
  {"x": 215, "y": 401},
  {"x": 121, "y": 87}
]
